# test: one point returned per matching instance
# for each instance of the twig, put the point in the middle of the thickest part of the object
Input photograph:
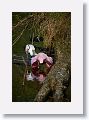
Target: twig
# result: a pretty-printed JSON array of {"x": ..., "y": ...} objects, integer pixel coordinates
[
  {"x": 15, "y": 41},
  {"x": 25, "y": 69},
  {"x": 21, "y": 21},
  {"x": 18, "y": 60}
]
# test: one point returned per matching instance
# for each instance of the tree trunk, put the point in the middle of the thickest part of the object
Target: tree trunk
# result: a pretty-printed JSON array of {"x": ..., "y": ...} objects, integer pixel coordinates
[{"x": 58, "y": 82}]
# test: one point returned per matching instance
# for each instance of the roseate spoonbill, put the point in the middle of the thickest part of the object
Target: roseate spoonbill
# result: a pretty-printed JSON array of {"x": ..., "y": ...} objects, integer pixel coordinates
[
  {"x": 30, "y": 49},
  {"x": 41, "y": 59}
]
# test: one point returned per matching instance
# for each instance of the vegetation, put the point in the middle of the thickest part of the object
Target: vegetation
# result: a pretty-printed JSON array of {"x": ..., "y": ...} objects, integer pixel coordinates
[{"x": 55, "y": 29}]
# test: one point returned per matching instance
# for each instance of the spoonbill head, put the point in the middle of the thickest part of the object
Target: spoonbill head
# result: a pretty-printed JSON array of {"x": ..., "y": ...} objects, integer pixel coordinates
[{"x": 30, "y": 49}]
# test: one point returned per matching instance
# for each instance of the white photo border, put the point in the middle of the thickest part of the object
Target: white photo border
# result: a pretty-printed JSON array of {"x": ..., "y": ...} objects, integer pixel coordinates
[{"x": 76, "y": 104}]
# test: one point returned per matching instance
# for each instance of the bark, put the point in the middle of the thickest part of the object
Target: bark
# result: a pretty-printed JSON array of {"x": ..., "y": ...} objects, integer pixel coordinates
[{"x": 56, "y": 82}]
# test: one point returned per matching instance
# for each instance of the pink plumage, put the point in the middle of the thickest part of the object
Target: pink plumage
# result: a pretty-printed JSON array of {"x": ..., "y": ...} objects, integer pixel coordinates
[{"x": 41, "y": 58}]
